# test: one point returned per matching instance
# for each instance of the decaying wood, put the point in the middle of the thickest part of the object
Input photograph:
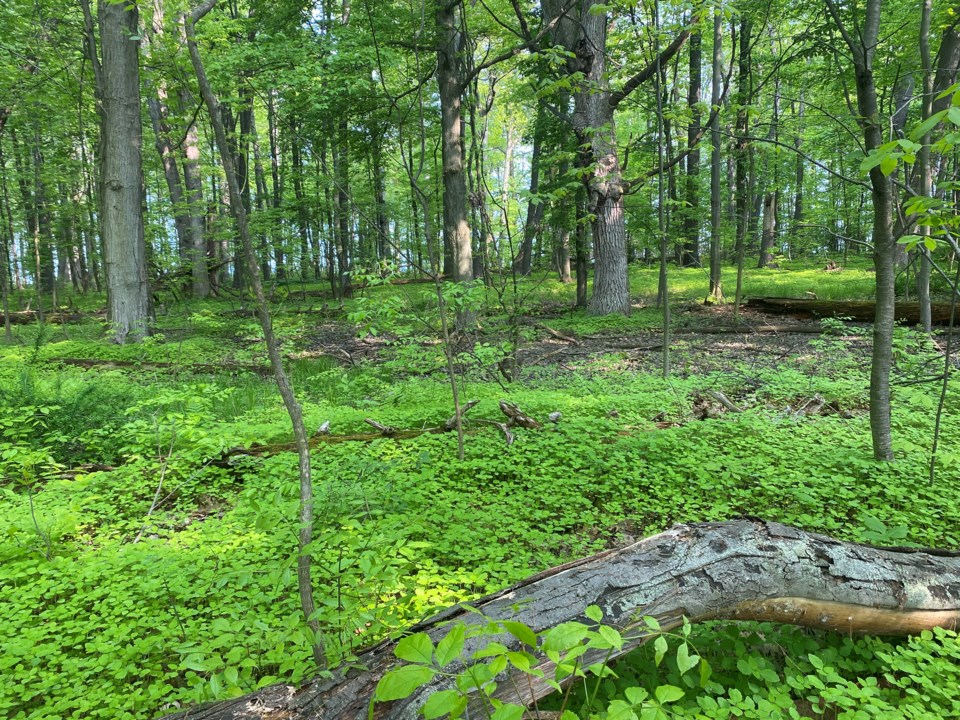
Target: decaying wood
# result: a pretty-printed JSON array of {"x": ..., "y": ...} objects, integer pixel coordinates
[
  {"x": 744, "y": 570},
  {"x": 54, "y": 317},
  {"x": 518, "y": 417},
  {"x": 724, "y": 400},
  {"x": 451, "y": 424},
  {"x": 255, "y": 368},
  {"x": 857, "y": 310},
  {"x": 385, "y": 430},
  {"x": 749, "y": 330},
  {"x": 325, "y": 437},
  {"x": 559, "y": 335},
  {"x": 160, "y": 365}
]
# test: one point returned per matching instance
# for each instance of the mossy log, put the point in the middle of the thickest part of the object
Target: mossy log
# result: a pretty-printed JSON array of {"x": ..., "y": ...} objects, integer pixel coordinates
[
  {"x": 53, "y": 317},
  {"x": 740, "y": 570},
  {"x": 861, "y": 310}
]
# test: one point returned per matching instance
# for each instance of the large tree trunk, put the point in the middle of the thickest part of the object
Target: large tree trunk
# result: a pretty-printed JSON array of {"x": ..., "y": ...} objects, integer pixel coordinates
[
  {"x": 121, "y": 184},
  {"x": 742, "y": 570},
  {"x": 594, "y": 124},
  {"x": 456, "y": 229}
]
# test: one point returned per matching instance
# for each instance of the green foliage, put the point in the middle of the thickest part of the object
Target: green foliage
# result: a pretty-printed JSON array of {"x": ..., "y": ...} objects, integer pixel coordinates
[
  {"x": 750, "y": 670},
  {"x": 163, "y": 575}
]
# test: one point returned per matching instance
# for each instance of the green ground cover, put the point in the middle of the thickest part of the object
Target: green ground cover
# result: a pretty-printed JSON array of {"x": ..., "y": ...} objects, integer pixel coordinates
[{"x": 138, "y": 571}]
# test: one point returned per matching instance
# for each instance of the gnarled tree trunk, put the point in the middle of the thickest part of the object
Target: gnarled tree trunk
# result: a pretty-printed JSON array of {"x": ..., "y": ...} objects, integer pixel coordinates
[{"x": 743, "y": 570}]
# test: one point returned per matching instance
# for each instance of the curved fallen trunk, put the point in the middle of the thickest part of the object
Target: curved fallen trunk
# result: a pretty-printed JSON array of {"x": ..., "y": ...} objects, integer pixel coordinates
[{"x": 744, "y": 570}]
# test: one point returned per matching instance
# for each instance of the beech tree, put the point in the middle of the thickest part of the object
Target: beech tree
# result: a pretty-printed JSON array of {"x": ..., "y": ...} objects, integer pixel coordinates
[{"x": 121, "y": 173}]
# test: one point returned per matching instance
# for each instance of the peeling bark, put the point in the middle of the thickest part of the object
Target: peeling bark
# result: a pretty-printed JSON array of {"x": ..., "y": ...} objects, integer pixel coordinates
[{"x": 744, "y": 570}]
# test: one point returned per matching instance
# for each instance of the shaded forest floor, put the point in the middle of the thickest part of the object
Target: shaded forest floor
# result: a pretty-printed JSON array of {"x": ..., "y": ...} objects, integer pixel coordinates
[{"x": 147, "y": 554}]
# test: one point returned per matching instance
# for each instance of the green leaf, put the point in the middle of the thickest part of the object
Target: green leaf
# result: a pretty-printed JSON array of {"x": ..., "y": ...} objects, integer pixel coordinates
[
  {"x": 417, "y": 648},
  {"x": 927, "y": 125},
  {"x": 450, "y": 647},
  {"x": 216, "y": 687},
  {"x": 668, "y": 693},
  {"x": 870, "y": 162},
  {"x": 636, "y": 695},
  {"x": 508, "y": 712},
  {"x": 953, "y": 115},
  {"x": 521, "y": 632},
  {"x": 888, "y": 165},
  {"x": 498, "y": 664},
  {"x": 611, "y": 636},
  {"x": 565, "y": 636},
  {"x": 620, "y": 710},
  {"x": 400, "y": 683},
  {"x": 660, "y": 648},
  {"x": 705, "y": 672},
  {"x": 195, "y": 662},
  {"x": 686, "y": 661},
  {"x": 949, "y": 91},
  {"x": 594, "y": 613},
  {"x": 444, "y": 702},
  {"x": 521, "y": 661},
  {"x": 651, "y": 622},
  {"x": 232, "y": 675}
]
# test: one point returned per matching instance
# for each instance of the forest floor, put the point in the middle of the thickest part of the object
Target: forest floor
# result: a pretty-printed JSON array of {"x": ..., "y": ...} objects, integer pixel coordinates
[{"x": 148, "y": 543}]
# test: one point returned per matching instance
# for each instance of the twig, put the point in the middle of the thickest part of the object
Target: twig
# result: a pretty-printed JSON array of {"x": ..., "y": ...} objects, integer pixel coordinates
[{"x": 724, "y": 400}]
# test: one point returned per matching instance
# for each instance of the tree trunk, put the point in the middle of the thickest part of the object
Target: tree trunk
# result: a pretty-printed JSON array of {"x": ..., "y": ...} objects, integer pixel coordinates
[
  {"x": 924, "y": 165},
  {"x": 121, "y": 178},
  {"x": 306, "y": 519},
  {"x": 384, "y": 250},
  {"x": 862, "y": 50},
  {"x": 302, "y": 221},
  {"x": 594, "y": 124},
  {"x": 277, "y": 188},
  {"x": 531, "y": 226},
  {"x": 798, "y": 175},
  {"x": 742, "y": 154},
  {"x": 742, "y": 570},
  {"x": 691, "y": 212},
  {"x": 716, "y": 281},
  {"x": 200, "y": 277},
  {"x": 159, "y": 112},
  {"x": 582, "y": 248},
  {"x": 341, "y": 165},
  {"x": 768, "y": 228},
  {"x": 456, "y": 229}
]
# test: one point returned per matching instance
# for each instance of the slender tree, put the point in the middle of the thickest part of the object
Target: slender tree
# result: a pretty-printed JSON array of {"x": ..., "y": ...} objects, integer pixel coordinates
[{"x": 862, "y": 45}]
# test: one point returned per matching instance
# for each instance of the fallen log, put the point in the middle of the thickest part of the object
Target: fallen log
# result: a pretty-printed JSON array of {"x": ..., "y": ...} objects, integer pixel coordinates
[
  {"x": 749, "y": 330},
  {"x": 862, "y": 310},
  {"x": 53, "y": 317},
  {"x": 742, "y": 570},
  {"x": 255, "y": 368},
  {"x": 162, "y": 365}
]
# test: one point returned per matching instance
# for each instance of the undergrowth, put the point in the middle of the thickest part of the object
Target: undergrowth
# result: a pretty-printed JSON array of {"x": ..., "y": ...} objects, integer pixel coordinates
[{"x": 142, "y": 571}]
